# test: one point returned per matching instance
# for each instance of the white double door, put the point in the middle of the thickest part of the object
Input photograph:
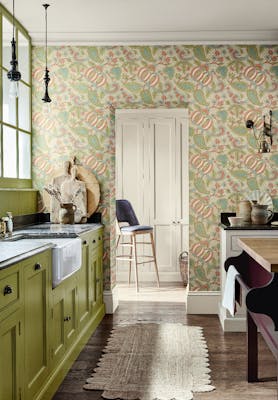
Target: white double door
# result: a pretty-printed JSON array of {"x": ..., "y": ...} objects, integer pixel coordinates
[{"x": 152, "y": 173}]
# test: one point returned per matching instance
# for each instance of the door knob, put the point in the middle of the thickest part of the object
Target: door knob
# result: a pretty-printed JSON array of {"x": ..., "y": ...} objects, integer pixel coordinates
[{"x": 37, "y": 266}]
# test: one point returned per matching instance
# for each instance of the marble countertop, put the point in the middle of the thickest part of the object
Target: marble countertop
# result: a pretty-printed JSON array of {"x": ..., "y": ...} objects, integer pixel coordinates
[
  {"x": 16, "y": 248},
  {"x": 13, "y": 252}
]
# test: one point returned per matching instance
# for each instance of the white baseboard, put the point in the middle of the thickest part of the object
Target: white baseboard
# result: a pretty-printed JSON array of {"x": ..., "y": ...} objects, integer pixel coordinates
[
  {"x": 111, "y": 300},
  {"x": 122, "y": 277},
  {"x": 202, "y": 302},
  {"x": 229, "y": 323}
]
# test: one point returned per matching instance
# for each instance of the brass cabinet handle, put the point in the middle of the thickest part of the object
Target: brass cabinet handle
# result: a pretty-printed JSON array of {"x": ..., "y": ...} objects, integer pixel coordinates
[
  {"x": 67, "y": 318},
  {"x": 7, "y": 290},
  {"x": 84, "y": 242},
  {"x": 37, "y": 267},
  {"x": 94, "y": 241}
]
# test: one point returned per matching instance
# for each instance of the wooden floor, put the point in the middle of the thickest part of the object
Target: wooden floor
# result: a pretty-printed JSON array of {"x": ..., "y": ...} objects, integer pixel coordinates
[{"x": 227, "y": 355}]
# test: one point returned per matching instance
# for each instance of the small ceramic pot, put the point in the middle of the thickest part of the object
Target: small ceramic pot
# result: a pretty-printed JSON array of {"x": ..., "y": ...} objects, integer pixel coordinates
[
  {"x": 66, "y": 213},
  {"x": 244, "y": 210},
  {"x": 260, "y": 215}
]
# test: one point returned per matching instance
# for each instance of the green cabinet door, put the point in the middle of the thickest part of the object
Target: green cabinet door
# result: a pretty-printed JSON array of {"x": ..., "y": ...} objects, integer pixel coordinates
[
  {"x": 36, "y": 289},
  {"x": 57, "y": 331},
  {"x": 11, "y": 357},
  {"x": 84, "y": 304},
  {"x": 99, "y": 276},
  {"x": 70, "y": 316}
]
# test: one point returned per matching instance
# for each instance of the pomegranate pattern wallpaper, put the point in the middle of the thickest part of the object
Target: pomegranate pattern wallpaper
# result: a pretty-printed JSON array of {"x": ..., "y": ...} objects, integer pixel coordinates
[{"x": 222, "y": 86}]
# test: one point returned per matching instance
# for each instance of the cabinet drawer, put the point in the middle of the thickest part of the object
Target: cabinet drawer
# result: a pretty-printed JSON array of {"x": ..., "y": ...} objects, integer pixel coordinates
[{"x": 9, "y": 289}]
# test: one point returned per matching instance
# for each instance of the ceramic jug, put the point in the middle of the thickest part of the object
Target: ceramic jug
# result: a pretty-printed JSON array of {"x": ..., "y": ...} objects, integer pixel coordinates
[
  {"x": 66, "y": 213},
  {"x": 244, "y": 210},
  {"x": 260, "y": 215}
]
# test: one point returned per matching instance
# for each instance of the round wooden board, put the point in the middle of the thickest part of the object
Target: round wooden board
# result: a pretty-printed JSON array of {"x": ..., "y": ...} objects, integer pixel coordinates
[{"x": 92, "y": 186}]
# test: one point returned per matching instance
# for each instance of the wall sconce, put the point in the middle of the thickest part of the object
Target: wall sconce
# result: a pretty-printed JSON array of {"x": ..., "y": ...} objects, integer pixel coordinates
[{"x": 264, "y": 138}]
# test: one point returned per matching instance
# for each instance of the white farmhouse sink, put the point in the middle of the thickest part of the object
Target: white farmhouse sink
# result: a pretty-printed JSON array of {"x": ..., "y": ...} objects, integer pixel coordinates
[{"x": 66, "y": 257}]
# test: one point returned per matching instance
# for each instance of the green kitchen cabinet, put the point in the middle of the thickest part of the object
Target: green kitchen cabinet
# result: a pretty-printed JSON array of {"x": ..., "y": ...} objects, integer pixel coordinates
[
  {"x": 36, "y": 285},
  {"x": 99, "y": 276},
  {"x": 84, "y": 287},
  {"x": 63, "y": 318},
  {"x": 11, "y": 359}
]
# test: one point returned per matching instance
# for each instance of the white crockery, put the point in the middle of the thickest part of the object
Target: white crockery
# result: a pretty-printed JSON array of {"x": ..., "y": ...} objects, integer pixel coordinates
[{"x": 236, "y": 221}]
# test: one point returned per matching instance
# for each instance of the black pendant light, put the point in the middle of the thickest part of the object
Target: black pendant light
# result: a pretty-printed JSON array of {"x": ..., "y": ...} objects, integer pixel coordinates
[
  {"x": 14, "y": 75},
  {"x": 46, "y": 78}
]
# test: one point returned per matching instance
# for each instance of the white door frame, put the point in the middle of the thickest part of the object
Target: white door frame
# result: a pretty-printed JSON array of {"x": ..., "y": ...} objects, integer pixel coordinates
[{"x": 181, "y": 114}]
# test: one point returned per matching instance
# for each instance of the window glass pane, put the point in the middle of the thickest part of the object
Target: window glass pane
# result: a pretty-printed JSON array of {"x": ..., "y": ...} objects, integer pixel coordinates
[
  {"x": 9, "y": 152},
  {"x": 23, "y": 57},
  {"x": 9, "y": 104},
  {"x": 7, "y": 29},
  {"x": 24, "y": 154},
  {"x": 24, "y": 107}
]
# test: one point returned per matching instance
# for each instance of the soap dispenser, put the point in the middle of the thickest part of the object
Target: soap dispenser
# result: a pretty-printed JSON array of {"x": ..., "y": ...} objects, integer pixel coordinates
[{"x": 10, "y": 224}]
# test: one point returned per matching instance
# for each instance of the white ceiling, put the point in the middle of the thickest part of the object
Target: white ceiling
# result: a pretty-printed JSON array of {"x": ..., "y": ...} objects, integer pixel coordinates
[{"x": 150, "y": 21}]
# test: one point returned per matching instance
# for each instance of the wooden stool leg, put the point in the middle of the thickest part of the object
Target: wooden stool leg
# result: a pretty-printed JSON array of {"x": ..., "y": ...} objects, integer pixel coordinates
[
  {"x": 154, "y": 255},
  {"x": 130, "y": 262},
  {"x": 252, "y": 350},
  {"x": 135, "y": 262}
]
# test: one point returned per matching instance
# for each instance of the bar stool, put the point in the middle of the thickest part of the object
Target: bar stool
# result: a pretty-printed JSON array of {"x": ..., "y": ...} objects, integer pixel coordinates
[{"x": 126, "y": 214}]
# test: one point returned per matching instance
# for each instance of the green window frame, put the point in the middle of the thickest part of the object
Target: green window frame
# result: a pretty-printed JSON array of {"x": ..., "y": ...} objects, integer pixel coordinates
[{"x": 15, "y": 135}]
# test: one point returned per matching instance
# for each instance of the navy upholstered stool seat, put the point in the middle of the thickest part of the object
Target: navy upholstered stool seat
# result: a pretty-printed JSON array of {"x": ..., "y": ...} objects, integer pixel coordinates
[{"x": 125, "y": 214}]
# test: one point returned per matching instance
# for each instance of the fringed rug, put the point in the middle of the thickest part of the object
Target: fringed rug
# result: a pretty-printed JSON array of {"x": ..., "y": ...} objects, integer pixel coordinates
[{"x": 153, "y": 361}]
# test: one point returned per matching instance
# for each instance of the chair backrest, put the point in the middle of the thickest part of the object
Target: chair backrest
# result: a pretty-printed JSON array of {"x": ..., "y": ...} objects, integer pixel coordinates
[{"x": 125, "y": 212}]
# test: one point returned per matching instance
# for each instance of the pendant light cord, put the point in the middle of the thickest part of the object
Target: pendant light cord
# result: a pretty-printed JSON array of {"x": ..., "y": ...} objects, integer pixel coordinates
[
  {"x": 13, "y": 19},
  {"x": 46, "y": 6}
]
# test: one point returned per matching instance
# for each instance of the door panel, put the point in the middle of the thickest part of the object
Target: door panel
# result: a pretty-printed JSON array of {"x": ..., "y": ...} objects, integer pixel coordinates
[{"x": 152, "y": 172}]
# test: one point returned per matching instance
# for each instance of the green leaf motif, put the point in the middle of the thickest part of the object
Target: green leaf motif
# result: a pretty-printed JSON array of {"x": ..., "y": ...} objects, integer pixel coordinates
[
  {"x": 116, "y": 72},
  {"x": 186, "y": 86},
  {"x": 64, "y": 72},
  {"x": 199, "y": 141},
  {"x": 274, "y": 70},
  {"x": 200, "y": 53},
  {"x": 253, "y": 52},
  {"x": 146, "y": 97},
  {"x": 95, "y": 142},
  {"x": 64, "y": 115},
  {"x": 94, "y": 55},
  {"x": 200, "y": 97},
  {"x": 170, "y": 71},
  {"x": 240, "y": 130},
  {"x": 222, "y": 71},
  {"x": 253, "y": 97},
  {"x": 81, "y": 131},
  {"x": 200, "y": 186},
  {"x": 223, "y": 204},
  {"x": 223, "y": 159},
  {"x": 146, "y": 53},
  {"x": 239, "y": 174},
  {"x": 242, "y": 86},
  {"x": 200, "y": 229},
  {"x": 253, "y": 184},
  {"x": 274, "y": 158},
  {"x": 222, "y": 115},
  {"x": 133, "y": 87}
]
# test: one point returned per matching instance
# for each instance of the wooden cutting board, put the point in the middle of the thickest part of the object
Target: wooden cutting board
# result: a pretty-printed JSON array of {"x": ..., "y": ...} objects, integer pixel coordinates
[{"x": 92, "y": 186}]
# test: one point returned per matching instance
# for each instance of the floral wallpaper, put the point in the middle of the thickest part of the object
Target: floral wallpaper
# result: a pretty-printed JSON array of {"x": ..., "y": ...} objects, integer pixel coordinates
[{"x": 222, "y": 85}]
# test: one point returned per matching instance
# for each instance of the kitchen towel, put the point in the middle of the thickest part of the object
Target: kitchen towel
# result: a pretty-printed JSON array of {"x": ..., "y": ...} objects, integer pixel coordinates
[{"x": 229, "y": 300}]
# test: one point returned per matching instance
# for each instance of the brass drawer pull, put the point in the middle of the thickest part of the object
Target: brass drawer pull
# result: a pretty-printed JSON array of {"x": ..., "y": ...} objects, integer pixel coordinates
[
  {"x": 67, "y": 318},
  {"x": 84, "y": 242},
  {"x": 99, "y": 238},
  {"x": 37, "y": 267},
  {"x": 94, "y": 241},
  {"x": 7, "y": 290}
]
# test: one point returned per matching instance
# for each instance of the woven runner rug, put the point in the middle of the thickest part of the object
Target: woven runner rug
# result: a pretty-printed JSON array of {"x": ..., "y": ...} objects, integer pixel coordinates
[{"x": 153, "y": 361}]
